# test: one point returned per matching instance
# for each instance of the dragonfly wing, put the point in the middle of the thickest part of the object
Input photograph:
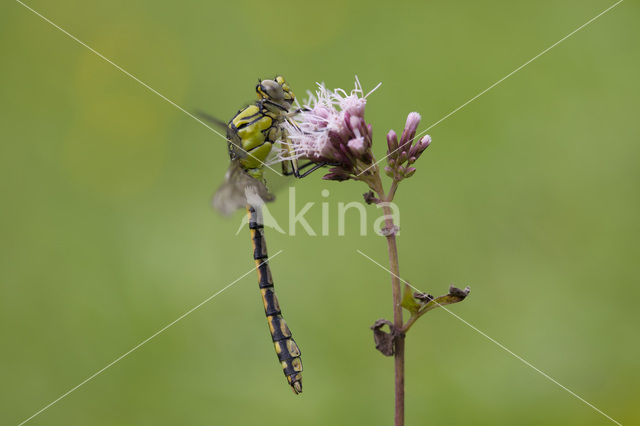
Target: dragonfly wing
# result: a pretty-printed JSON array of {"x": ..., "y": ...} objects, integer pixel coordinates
[
  {"x": 214, "y": 121},
  {"x": 277, "y": 182},
  {"x": 233, "y": 140},
  {"x": 232, "y": 194}
]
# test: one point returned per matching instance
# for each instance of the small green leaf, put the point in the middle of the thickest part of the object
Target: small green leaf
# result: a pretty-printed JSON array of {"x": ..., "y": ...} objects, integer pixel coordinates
[
  {"x": 408, "y": 302},
  {"x": 428, "y": 302},
  {"x": 455, "y": 295}
]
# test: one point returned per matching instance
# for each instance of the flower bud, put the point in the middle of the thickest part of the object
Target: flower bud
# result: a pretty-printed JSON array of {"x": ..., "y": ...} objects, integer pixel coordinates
[
  {"x": 414, "y": 150},
  {"x": 425, "y": 142},
  {"x": 392, "y": 142},
  {"x": 413, "y": 120},
  {"x": 336, "y": 173},
  {"x": 403, "y": 157}
]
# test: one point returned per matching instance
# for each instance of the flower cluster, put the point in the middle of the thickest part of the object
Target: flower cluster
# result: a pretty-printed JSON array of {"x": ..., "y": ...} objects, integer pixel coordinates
[
  {"x": 401, "y": 155},
  {"x": 330, "y": 129}
]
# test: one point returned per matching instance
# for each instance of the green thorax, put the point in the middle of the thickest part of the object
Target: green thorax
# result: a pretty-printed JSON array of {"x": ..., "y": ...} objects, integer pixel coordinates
[{"x": 254, "y": 129}]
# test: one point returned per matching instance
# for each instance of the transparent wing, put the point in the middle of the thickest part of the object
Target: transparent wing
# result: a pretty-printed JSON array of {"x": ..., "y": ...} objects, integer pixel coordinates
[
  {"x": 220, "y": 124},
  {"x": 232, "y": 194},
  {"x": 233, "y": 140}
]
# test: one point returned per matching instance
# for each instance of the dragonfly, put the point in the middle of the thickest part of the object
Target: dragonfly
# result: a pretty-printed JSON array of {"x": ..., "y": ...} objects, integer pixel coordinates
[{"x": 253, "y": 134}]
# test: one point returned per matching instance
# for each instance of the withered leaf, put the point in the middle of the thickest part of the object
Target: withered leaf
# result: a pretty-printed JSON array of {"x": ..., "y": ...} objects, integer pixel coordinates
[{"x": 382, "y": 339}]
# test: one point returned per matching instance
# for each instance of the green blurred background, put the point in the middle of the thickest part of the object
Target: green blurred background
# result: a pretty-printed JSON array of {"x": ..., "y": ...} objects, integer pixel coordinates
[{"x": 530, "y": 195}]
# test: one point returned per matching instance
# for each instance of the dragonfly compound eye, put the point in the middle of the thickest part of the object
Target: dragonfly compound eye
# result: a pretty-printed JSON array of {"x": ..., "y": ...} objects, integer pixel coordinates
[
  {"x": 276, "y": 90},
  {"x": 271, "y": 90},
  {"x": 288, "y": 94}
]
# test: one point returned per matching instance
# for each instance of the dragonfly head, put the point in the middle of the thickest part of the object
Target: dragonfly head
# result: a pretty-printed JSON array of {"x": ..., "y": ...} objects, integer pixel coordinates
[{"x": 276, "y": 91}]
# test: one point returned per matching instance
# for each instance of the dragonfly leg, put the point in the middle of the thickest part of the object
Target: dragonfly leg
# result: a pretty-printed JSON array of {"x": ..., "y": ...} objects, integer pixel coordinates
[{"x": 297, "y": 174}]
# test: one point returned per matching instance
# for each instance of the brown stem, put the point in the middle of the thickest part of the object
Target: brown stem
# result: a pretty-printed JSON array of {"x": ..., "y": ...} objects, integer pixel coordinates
[
  {"x": 392, "y": 191},
  {"x": 392, "y": 248},
  {"x": 399, "y": 369},
  {"x": 409, "y": 323}
]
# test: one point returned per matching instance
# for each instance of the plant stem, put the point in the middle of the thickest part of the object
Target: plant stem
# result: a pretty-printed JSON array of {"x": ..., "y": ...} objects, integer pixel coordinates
[
  {"x": 409, "y": 323},
  {"x": 397, "y": 319},
  {"x": 392, "y": 249}
]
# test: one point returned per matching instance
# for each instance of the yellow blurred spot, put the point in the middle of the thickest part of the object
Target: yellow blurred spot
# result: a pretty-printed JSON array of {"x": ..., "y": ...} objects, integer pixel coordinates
[{"x": 116, "y": 146}]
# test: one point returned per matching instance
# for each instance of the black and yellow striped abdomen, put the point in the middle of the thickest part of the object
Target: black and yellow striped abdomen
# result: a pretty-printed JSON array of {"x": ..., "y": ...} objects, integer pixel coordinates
[{"x": 286, "y": 348}]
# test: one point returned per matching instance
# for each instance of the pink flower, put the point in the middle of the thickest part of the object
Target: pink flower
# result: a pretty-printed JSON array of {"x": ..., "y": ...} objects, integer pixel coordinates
[{"x": 330, "y": 128}]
